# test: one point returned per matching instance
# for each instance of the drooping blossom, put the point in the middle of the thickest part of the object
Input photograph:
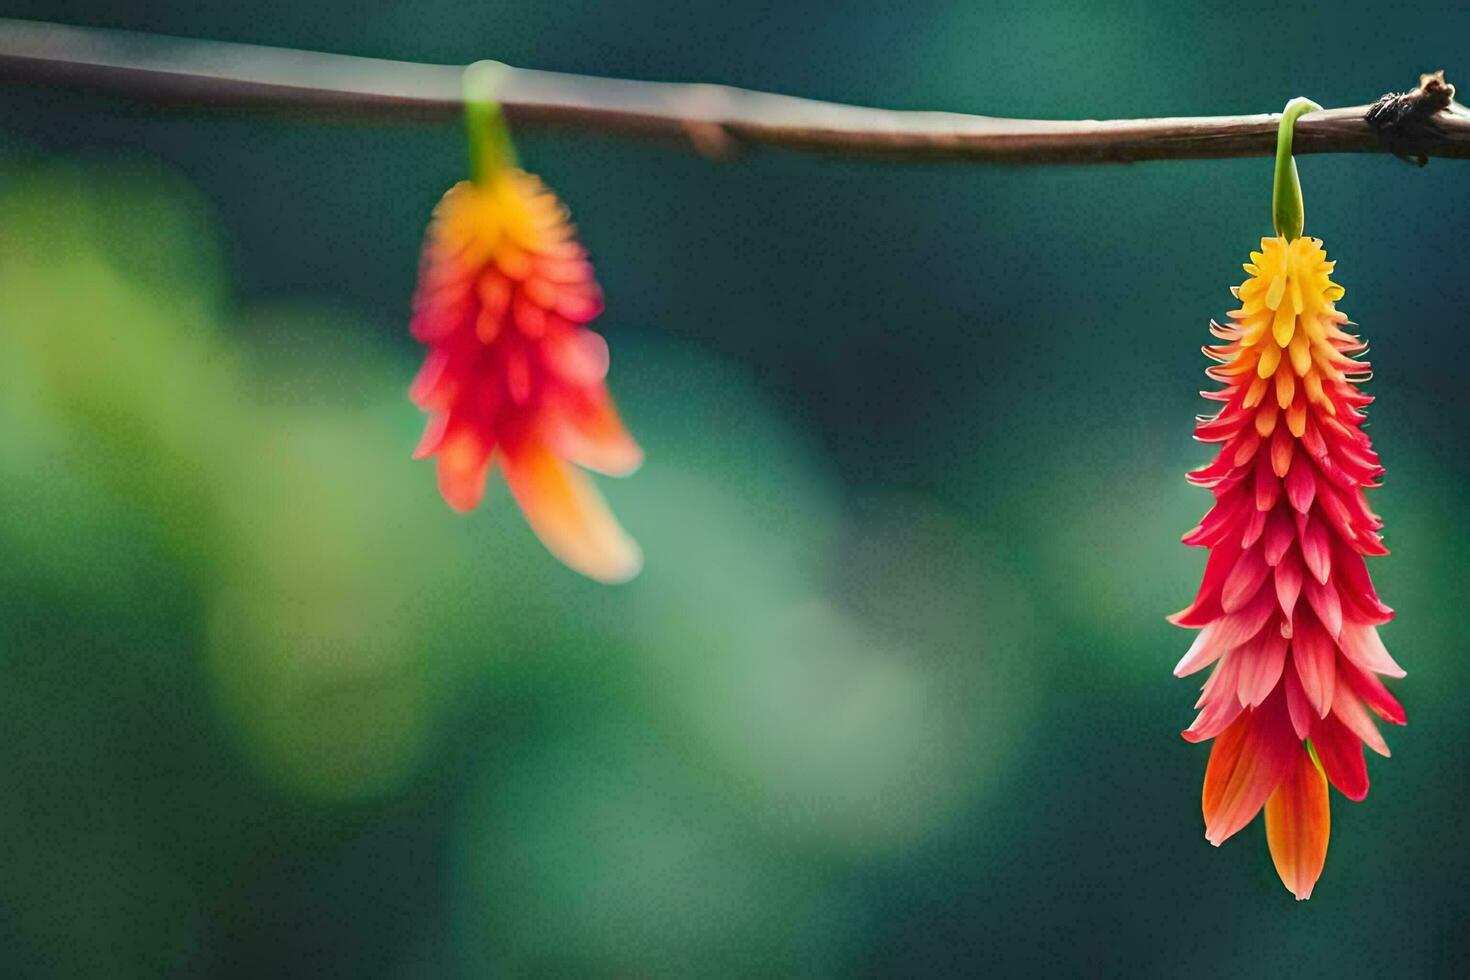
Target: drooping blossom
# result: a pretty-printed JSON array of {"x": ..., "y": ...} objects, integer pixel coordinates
[
  {"x": 513, "y": 374},
  {"x": 1287, "y": 613}
]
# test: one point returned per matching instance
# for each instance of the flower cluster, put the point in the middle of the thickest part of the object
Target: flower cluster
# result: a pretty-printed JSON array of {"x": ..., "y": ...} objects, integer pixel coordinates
[
  {"x": 513, "y": 374},
  {"x": 1287, "y": 613}
]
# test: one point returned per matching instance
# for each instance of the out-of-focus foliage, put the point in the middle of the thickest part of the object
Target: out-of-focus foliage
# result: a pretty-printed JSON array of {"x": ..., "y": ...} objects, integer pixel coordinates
[
  {"x": 218, "y": 511},
  {"x": 892, "y": 693}
]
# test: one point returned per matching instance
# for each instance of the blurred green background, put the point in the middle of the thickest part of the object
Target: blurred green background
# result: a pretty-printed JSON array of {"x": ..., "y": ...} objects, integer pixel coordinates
[{"x": 893, "y": 694}]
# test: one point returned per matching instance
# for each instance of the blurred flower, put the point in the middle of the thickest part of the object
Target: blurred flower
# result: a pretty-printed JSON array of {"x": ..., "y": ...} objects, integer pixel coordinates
[
  {"x": 1288, "y": 701},
  {"x": 512, "y": 371}
]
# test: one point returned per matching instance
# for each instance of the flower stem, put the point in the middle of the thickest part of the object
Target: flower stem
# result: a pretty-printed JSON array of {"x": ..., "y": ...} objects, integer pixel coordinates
[
  {"x": 1288, "y": 213},
  {"x": 491, "y": 150}
]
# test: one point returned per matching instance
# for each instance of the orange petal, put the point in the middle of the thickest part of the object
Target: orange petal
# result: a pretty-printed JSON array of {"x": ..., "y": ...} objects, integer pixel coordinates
[
  {"x": 569, "y": 515},
  {"x": 1298, "y": 821},
  {"x": 592, "y": 435},
  {"x": 1249, "y": 759},
  {"x": 464, "y": 463}
]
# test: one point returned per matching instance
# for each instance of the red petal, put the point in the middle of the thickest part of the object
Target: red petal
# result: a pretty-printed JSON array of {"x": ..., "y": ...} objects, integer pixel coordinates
[
  {"x": 1341, "y": 753},
  {"x": 1278, "y": 537},
  {"x": 1301, "y": 487},
  {"x": 530, "y": 318},
  {"x": 1244, "y": 580},
  {"x": 1205, "y": 608},
  {"x": 1229, "y": 510},
  {"x": 1354, "y": 583},
  {"x": 519, "y": 378}
]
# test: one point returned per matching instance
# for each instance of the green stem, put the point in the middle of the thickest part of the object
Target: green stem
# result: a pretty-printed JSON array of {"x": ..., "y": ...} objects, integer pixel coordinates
[
  {"x": 1288, "y": 213},
  {"x": 491, "y": 150}
]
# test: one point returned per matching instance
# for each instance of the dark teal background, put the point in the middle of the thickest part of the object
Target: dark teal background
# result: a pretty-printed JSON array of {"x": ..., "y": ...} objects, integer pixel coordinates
[{"x": 893, "y": 694}]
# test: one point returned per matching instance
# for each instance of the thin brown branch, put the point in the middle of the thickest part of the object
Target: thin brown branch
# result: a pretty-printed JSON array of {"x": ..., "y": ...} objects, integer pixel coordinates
[{"x": 710, "y": 118}]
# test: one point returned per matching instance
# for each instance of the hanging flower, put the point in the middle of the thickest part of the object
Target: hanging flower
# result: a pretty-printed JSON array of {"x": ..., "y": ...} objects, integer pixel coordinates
[
  {"x": 1287, "y": 613},
  {"x": 513, "y": 374}
]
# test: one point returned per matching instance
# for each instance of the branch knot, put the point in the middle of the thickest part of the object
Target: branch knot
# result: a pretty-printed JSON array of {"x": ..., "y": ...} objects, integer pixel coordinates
[{"x": 1403, "y": 121}]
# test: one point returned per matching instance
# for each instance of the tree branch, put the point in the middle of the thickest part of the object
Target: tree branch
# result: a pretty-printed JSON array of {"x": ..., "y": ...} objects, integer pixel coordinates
[{"x": 711, "y": 118}]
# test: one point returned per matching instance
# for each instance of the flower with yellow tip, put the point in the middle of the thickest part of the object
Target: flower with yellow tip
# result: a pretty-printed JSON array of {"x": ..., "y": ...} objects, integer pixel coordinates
[
  {"x": 513, "y": 374},
  {"x": 1287, "y": 613}
]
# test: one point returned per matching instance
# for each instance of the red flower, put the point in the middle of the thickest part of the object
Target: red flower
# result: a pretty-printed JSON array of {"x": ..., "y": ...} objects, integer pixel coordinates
[
  {"x": 1287, "y": 612},
  {"x": 513, "y": 374}
]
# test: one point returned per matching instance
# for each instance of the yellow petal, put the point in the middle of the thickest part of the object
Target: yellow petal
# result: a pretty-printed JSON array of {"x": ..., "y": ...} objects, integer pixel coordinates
[
  {"x": 1270, "y": 358},
  {"x": 1284, "y": 325},
  {"x": 1276, "y": 291},
  {"x": 1301, "y": 354}
]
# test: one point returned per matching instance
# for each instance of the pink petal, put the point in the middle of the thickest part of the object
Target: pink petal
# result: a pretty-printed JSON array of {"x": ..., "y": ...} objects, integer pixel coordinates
[
  {"x": 1220, "y": 706},
  {"x": 1261, "y": 663},
  {"x": 1350, "y": 712},
  {"x": 1288, "y": 583},
  {"x": 1298, "y": 708},
  {"x": 1253, "y": 528},
  {"x": 1315, "y": 549},
  {"x": 1315, "y": 657},
  {"x": 1364, "y": 647},
  {"x": 1325, "y": 603},
  {"x": 1226, "y": 634},
  {"x": 1366, "y": 685}
]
